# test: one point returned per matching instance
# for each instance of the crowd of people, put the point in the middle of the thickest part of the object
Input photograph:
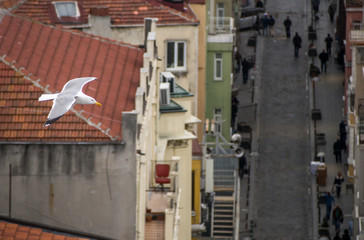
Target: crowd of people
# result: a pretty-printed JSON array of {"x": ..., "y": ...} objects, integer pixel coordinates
[{"x": 265, "y": 26}]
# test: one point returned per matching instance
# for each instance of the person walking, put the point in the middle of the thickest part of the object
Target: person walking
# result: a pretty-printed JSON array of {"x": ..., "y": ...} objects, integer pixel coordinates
[
  {"x": 259, "y": 4},
  {"x": 337, "y": 236},
  {"x": 337, "y": 217},
  {"x": 342, "y": 127},
  {"x": 323, "y": 56},
  {"x": 238, "y": 59},
  {"x": 246, "y": 66},
  {"x": 339, "y": 179},
  {"x": 331, "y": 11},
  {"x": 271, "y": 22},
  {"x": 337, "y": 150},
  {"x": 287, "y": 25},
  {"x": 265, "y": 24},
  {"x": 346, "y": 235},
  {"x": 329, "y": 202},
  {"x": 297, "y": 42},
  {"x": 242, "y": 164},
  {"x": 234, "y": 111},
  {"x": 328, "y": 41}
]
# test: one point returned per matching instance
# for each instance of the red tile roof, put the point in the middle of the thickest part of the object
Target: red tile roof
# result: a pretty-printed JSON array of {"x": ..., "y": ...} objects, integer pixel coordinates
[
  {"x": 122, "y": 12},
  {"x": 18, "y": 232},
  {"x": 9, "y": 4},
  {"x": 36, "y": 58}
]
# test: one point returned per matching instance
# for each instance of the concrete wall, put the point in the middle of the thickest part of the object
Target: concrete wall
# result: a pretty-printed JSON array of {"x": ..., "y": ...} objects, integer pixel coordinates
[{"x": 85, "y": 187}]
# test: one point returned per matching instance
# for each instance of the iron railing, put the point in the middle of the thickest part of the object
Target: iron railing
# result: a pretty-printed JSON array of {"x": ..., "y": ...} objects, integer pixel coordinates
[{"x": 220, "y": 25}]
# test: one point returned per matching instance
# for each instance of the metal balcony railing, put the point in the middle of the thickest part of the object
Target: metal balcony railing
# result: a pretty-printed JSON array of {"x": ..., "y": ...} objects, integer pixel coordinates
[
  {"x": 354, "y": 3},
  {"x": 357, "y": 32},
  {"x": 361, "y": 121},
  {"x": 220, "y": 25}
]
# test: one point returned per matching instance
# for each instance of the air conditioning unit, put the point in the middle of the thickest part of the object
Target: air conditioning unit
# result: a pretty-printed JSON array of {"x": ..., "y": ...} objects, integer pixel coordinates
[
  {"x": 168, "y": 77},
  {"x": 164, "y": 89}
]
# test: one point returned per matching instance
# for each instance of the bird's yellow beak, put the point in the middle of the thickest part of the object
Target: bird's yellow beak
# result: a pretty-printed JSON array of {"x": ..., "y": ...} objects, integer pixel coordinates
[{"x": 98, "y": 104}]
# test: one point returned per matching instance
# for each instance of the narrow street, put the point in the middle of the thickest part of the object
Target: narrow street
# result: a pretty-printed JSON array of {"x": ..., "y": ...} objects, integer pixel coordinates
[{"x": 281, "y": 202}]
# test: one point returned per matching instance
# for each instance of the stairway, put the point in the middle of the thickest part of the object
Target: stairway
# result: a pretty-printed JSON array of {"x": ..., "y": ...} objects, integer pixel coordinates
[
  {"x": 223, "y": 210},
  {"x": 223, "y": 217}
]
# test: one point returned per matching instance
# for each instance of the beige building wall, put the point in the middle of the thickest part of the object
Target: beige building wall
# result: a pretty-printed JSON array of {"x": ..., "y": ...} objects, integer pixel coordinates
[
  {"x": 185, "y": 181},
  {"x": 200, "y": 11},
  {"x": 190, "y": 33}
]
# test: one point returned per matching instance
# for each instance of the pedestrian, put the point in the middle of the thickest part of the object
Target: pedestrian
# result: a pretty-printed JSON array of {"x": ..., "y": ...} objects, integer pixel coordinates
[
  {"x": 238, "y": 58},
  {"x": 315, "y": 5},
  {"x": 265, "y": 24},
  {"x": 259, "y": 4},
  {"x": 346, "y": 235},
  {"x": 246, "y": 66},
  {"x": 343, "y": 135},
  {"x": 329, "y": 201},
  {"x": 287, "y": 25},
  {"x": 242, "y": 164},
  {"x": 271, "y": 22},
  {"x": 337, "y": 217},
  {"x": 328, "y": 41},
  {"x": 337, "y": 236},
  {"x": 337, "y": 147},
  {"x": 234, "y": 111},
  {"x": 339, "y": 179},
  {"x": 323, "y": 56},
  {"x": 257, "y": 25},
  {"x": 331, "y": 11},
  {"x": 297, "y": 41}
]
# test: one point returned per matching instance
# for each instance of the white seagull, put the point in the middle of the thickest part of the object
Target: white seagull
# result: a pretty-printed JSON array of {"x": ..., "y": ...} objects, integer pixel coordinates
[{"x": 70, "y": 95}]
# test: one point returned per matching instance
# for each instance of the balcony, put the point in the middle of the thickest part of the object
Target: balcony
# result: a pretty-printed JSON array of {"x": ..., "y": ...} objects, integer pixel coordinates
[
  {"x": 357, "y": 32},
  {"x": 361, "y": 121},
  {"x": 162, "y": 203},
  {"x": 354, "y": 3},
  {"x": 220, "y": 29}
]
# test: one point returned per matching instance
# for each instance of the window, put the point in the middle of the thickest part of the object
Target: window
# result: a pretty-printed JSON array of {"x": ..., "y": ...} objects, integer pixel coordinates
[
  {"x": 220, "y": 14},
  {"x": 218, "y": 66},
  {"x": 66, "y": 9},
  {"x": 218, "y": 119},
  {"x": 176, "y": 55}
]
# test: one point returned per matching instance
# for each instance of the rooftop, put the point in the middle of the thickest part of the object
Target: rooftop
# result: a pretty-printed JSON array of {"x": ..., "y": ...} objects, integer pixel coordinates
[
  {"x": 36, "y": 58},
  {"x": 121, "y": 12}
]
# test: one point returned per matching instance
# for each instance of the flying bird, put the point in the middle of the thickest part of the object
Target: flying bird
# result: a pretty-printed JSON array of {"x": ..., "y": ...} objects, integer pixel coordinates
[{"x": 70, "y": 95}]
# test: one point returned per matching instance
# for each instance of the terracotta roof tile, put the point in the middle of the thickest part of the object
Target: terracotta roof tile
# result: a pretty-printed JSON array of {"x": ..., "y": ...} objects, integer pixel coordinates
[
  {"x": 18, "y": 232},
  {"x": 45, "y": 60},
  {"x": 122, "y": 12}
]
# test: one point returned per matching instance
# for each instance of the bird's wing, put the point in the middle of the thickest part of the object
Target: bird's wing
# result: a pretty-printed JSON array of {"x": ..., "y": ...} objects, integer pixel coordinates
[
  {"x": 61, "y": 105},
  {"x": 66, "y": 98},
  {"x": 75, "y": 85}
]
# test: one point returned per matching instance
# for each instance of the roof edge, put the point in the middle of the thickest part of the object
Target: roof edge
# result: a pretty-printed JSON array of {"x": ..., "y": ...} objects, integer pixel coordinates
[
  {"x": 27, "y": 75},
  {"x": 52, "y": 228}
]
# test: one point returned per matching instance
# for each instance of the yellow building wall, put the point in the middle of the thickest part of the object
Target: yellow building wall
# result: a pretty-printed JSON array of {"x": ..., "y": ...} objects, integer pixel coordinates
[{"x": 196, "y": 169}]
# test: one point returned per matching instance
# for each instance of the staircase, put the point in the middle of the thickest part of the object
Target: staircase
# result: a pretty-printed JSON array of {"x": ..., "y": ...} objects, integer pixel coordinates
[{"x": 223, "y": 215}]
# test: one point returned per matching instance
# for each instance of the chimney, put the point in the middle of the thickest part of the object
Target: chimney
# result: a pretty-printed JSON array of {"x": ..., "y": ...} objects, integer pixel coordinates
[
  {"x": 100, "y": 23},
  {"x": 176, "y": 4},
  {"x": 99, "y": 11}
]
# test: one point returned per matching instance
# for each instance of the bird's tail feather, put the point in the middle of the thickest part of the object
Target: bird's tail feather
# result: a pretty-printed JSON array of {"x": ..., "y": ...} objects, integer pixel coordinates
[{"x": 47, "y": 97}]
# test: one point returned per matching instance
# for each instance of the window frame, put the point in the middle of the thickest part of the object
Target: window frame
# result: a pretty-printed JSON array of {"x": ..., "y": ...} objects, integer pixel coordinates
[
  {"x": 218, "y": 119},
  {"x": 176, "y": 56},
  {"x": 216, "y": 61},
  {"x": 220, "y": 14},
  {"x": 77, "y": 11}
]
